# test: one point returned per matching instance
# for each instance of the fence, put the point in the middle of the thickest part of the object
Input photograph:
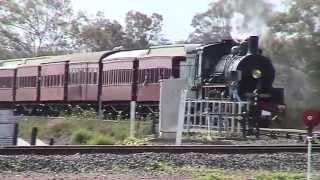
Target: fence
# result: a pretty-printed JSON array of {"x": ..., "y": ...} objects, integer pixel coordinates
[{"x": 213, "y": 115}]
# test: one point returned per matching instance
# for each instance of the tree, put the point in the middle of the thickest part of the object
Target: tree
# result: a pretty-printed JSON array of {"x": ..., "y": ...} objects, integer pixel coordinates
[
  {"x": 226, "y": 18},
  {"x": 293, "y": 43},
  {"x": 212, "y": 25},
  {"x": 299, "y": 30},
  {"x": 142, "y": 30},
  {"x": 34, "y": 27},
  {"x": 98, "y": 33}
]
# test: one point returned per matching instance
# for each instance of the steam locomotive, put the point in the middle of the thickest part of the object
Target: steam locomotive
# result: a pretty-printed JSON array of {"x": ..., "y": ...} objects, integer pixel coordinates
[{"x": 112, "y": 79}]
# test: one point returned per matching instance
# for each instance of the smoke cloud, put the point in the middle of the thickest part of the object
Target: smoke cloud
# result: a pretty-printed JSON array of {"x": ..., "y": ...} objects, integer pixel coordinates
[{"x": 249, "y": 17}]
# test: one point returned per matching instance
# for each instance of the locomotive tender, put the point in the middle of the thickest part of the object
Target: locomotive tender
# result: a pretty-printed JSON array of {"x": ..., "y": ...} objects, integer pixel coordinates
[{"x": 223, "y": 70}]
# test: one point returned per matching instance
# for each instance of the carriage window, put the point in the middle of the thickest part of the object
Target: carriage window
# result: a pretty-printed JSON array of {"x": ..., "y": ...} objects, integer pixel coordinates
[
  {"x": 154, "y": 75},
  {"x": 119, "y": 76},
  {"x": 27, "y": 81},
  {"x": 95, "y": 74},
  {"x": 52, "y": 80},
  {"x": 6, "y": 82}
]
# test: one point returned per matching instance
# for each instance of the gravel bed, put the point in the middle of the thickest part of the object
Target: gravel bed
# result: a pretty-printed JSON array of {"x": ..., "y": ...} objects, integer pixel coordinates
[
  {"x": 263, "y": 140},
  {"x": 267, "y": 141},
  {"x": 107, "y": 175},
  {"x": 84, "y": 163}
]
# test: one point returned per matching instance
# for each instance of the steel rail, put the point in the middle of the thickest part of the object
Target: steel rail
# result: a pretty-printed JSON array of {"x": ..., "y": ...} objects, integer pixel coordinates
[{"x": 119, "y": 149}]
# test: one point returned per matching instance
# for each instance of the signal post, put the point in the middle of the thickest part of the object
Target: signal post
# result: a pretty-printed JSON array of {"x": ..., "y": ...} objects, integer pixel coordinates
[{"x": 311, "y": 118}]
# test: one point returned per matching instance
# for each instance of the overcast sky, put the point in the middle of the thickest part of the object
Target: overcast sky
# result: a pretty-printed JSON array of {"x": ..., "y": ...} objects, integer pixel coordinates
[{"x": 177, "y": 14}]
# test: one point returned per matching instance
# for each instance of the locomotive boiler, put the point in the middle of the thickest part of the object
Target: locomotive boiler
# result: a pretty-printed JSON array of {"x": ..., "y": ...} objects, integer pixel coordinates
[{"x": 112, "y": 79}]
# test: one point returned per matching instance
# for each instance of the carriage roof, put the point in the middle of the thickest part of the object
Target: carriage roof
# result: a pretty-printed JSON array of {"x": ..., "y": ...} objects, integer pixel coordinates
[{"x": 166, "y": 50}]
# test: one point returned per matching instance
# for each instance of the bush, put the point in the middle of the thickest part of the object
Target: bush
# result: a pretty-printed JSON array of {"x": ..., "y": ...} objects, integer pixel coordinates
[
  {"x": 101, "y": 139},
  {"x": 120, "y": 131},
  {"x": 81, "y": 136}
]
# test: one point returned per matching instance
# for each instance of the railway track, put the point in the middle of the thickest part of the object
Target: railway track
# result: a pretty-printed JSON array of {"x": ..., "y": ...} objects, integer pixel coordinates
[{"x": 225, "y": 149}]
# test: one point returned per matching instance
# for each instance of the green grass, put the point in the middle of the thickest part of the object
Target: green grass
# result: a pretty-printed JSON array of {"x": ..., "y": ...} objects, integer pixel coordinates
[
  {"x": 101, "y": 139},
  {"x": 204, "y": 173},
  {"x": 254, "y": 175},
  {"x": 81, "y": 136},
  {"x": 72, "y": 130},
  {"x": 280, "y": 176}
]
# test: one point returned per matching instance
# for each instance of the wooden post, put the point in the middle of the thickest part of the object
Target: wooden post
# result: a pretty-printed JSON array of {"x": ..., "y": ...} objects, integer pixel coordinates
[
  {"x": 34, "y": 133},
  {"x": 51, "y": 142},
  {"x": 15, "y": 134}
]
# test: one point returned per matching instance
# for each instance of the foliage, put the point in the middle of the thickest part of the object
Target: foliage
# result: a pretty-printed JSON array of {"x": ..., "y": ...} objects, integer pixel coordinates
[
  {"x": 34, "y": 27},
  {"x": 211, "y": 174},
  {"x": 142, "y": 30},
  {"x": 160, "y": 166},
  {"x": 100, "y": 139},
  {"x": 205, "y": 173},
  {"x": 97, "y": 33},
  {"x": 292, "y": 43},
  {"x": 120, "y": 131},
  {"x": 72, "y": 130},
  {"x": 135, "y": 141},
  {"x": 280, "y": 176},
  {"x": 58, "y": 128},
  {"x": 299, "y": 29},
  {"x": 47, "y": 27},
  {"x": 81, "y": 136}
]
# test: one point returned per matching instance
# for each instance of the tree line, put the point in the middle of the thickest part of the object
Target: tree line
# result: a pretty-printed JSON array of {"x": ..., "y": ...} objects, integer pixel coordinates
[{"x": 46, "y": 27}]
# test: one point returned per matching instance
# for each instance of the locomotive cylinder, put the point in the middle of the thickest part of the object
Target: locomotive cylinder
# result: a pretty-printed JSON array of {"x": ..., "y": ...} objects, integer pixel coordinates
[{"x": 253, "y": 45}]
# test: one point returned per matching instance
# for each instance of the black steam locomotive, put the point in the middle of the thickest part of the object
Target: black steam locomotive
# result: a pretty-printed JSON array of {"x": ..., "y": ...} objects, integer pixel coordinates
[{"x": 239, "y": 72}]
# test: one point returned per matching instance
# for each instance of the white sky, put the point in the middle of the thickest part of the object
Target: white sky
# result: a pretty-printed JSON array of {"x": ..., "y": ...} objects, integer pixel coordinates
[{"x": 177, "y": 14}]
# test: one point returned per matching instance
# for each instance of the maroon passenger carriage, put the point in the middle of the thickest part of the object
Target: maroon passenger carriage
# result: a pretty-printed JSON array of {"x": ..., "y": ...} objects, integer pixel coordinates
[
  {"x": 49, "y": 85},
  {"x": 134, "y": 76},
  {"x": 7, "y": 82}
]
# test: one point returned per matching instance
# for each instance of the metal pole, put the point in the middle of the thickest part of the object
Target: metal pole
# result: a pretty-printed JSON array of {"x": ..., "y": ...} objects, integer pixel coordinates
[
  {"x": 219, "y": 118},
  {"x": 182, "y": 109},
  {"x": 188, "y": 116},
  {"x": 238, "y": 119},
  {"x": 233, "y": 107},
  {"x": 309, "y": 138},
  {"x": 132, "y": 118},
  {"x": 208, "y": 126}
]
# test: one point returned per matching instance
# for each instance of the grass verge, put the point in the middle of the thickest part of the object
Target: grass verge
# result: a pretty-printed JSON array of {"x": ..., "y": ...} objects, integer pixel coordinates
[{"x": 83, "y": 131}]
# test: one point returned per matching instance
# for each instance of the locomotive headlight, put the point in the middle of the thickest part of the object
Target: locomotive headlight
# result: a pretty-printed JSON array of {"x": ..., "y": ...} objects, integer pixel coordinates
[{"x": 256, "y": 74}]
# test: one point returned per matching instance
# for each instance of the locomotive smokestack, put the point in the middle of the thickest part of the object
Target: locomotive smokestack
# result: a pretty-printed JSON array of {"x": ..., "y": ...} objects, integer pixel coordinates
[{"x": 253, "y": 45}]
